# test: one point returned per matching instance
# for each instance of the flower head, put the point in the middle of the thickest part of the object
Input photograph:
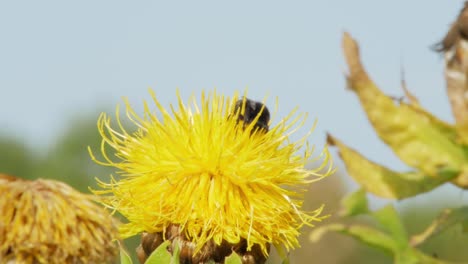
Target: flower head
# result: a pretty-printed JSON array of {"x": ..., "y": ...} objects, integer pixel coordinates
[
  {"x": 197, "y": 167},
  {"x": 46, "y": 221}
]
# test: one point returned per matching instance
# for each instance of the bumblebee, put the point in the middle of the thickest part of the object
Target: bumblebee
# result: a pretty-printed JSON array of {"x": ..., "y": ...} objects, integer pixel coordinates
[
  {"x": 247, "y": 112},
  {"x": 251, "y": 110}
]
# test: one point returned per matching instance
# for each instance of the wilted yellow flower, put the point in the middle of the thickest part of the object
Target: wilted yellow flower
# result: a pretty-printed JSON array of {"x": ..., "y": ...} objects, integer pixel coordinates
[
  {"x": 46, "y": 221},
  {"x": 194, "y": 166}
]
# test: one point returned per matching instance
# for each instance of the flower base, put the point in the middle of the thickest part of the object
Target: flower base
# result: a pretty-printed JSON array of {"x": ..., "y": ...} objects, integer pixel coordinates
[{"x": 209, "y": 252}]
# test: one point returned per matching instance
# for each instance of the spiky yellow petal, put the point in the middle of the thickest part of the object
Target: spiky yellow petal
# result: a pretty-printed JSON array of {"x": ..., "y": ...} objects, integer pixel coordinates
[{"x": 195, "y": 167}]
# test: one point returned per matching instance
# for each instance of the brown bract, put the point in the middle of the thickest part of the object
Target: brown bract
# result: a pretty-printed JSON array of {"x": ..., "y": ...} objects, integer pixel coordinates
[
  {"x": 454, "y": 46},
  {"x": 458, "y": 30},
  {"x": 209, "y": 253}
]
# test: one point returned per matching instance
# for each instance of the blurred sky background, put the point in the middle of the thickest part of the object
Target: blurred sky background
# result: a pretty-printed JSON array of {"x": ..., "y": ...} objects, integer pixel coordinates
[{"x": 60, "y": 59}]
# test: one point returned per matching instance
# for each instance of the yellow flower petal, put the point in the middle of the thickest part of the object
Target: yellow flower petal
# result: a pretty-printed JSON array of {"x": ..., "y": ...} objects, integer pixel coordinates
[{"x": 194, "y": 166}]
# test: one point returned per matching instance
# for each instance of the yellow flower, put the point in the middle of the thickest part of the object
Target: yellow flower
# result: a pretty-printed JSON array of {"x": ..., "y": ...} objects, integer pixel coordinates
[
  {"x": 46, "y": 221},
  {"x": 194, "y": 166}
]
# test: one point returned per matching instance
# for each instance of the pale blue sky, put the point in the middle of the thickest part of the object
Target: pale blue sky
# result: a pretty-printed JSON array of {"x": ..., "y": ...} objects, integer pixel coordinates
[{"x": 58, "y": 58}]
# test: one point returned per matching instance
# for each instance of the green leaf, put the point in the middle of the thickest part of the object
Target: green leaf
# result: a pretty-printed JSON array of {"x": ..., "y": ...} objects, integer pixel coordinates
[
  {"x": 355, "y": 204},
  {"x": 233, "y": 259},
  {"x": 414, "y": 256},
  {"x": 448, "y": 130},
  {"x": 160, "y": 254},
  {"x": 448, "y": 218},
  {"x": 377, "y": 239},
  {"x": 384, "y": 182},
  {"x": 176, "y": 253},
  {"x": 282, "y": 253},
  {"x": 413, "y": 135},
  {"x": 124, "y": 257},
  {"x": 391, "y": 223},
  {"x": 367, "y": 235}
]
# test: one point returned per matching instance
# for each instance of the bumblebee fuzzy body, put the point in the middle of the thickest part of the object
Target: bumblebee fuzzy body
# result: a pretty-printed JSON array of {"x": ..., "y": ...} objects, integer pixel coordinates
[{"x": 251, "y": 110}]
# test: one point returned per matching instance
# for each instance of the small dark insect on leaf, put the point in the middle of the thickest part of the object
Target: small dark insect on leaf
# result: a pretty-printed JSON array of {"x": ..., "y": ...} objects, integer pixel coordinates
[{"x": 252, "y": 110}]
